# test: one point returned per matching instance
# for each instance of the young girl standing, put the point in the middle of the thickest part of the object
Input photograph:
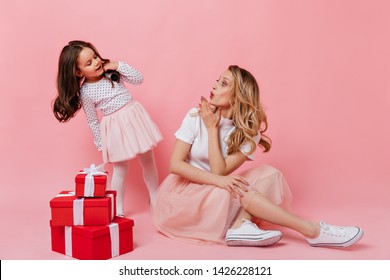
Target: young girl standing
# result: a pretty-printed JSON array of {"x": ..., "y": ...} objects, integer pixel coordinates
[{"x": 126, "y": 130}]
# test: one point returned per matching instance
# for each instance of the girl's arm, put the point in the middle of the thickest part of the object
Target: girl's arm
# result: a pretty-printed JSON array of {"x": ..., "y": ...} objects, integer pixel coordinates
[
  {"x": 235, "y": 184},
  {"x": 93, "y": 121},
  {"x": 128, "y": 74},
  {"x": 218, "y": 164}
]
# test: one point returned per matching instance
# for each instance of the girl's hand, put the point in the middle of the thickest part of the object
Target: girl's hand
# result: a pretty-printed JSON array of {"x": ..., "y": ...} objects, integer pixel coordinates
[
  {"x": 210, "y": 119},
  {"x": 111, "y": 65},
  {"x": 236, "y": 185}
]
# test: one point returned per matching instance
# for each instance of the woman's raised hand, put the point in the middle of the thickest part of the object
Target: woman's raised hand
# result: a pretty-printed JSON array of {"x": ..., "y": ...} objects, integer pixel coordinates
[
  {"x": 236, "y": 185},
  {"x": 210, "y": 119}
]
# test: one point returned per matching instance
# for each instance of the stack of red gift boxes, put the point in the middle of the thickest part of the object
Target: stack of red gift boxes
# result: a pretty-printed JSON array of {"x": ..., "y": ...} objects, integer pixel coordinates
[{"x": 83, "y": 222}]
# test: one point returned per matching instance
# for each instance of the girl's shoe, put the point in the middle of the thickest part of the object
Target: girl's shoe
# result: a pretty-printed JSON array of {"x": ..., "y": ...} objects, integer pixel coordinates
[
  {"x": 335, "y": 236},
  {"x": 248, "y": 234}
]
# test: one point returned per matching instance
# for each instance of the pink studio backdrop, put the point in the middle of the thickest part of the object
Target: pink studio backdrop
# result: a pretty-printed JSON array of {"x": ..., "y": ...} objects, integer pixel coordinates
[{"x": 323, "y": 69}]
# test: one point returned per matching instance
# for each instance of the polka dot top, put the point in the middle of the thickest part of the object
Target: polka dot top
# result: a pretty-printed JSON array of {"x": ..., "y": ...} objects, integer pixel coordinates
[{"x": 107, "y": 99}]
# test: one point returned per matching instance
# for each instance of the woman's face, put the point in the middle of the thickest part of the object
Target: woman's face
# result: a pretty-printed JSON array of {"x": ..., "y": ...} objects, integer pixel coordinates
[
  {"x": 220, "y": 95},
  {"x": 89, "y": 65}
]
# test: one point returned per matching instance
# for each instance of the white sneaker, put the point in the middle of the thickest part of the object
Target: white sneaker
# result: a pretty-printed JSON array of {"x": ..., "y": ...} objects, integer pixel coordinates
[
  {"x": 335, "y": 236},
  {"x": 248, "y": 234}
]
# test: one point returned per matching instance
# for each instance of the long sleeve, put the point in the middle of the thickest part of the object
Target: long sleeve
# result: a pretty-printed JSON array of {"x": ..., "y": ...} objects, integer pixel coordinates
[
  {"x": 93, "y": 121},
  {"x": 129, "y": 74}
]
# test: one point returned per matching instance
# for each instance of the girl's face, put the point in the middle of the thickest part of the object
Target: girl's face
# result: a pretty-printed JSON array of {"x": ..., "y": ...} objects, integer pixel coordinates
[
  {"x": 220, "y": 95},
  {"x": 89, "y": 65}
]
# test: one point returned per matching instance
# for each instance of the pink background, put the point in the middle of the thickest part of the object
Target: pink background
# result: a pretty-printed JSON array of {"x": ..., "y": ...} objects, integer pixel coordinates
[{"x": 323, "y": 69}]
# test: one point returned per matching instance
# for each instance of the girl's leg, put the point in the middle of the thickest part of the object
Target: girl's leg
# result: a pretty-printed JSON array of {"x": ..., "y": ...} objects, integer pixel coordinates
[
  {"x": 150, "y": 173},
  {"x": 120, "y": 170},
  {"x": 261, "y": 207}
]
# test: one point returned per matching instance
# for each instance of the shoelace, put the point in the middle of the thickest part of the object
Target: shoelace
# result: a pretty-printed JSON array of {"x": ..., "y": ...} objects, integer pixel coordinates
[
  {"x": 247, "y": 222},
  {"x": 333, "y": 230}
]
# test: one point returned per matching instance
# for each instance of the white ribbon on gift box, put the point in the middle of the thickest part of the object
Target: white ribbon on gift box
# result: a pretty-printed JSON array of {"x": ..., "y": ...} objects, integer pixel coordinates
[
  {"x": 112, "y": 204},
  {"x": 114, "y": 237},
  {"x": 89, "y": 184},
  {"x": 78, "y": 212},
  {"x": 68, "y": 241},
  {"x": 78, "y": 208},
  {"x": 65, "y": 194}
]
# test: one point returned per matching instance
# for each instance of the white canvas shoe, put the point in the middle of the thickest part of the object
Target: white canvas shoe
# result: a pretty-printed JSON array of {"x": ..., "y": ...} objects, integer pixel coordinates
[
  {"x": 335, "y": 236},
  {"x": 248, "y": 234}
]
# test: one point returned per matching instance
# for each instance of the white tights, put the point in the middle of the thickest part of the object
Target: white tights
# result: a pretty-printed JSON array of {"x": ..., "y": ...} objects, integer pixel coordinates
[{"x": 150, "y": 175}]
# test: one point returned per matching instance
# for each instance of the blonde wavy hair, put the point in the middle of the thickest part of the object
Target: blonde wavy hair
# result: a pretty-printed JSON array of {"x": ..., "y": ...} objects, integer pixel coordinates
[{"x": 248, "y": 114}]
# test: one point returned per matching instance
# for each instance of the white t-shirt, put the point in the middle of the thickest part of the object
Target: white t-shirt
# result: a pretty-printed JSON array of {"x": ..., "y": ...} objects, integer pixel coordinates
[{"x": 193, "y": 131}]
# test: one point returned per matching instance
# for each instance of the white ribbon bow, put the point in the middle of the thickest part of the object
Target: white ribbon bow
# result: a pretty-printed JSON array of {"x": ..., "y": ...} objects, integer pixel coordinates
[{"x": 89, "y": 184}]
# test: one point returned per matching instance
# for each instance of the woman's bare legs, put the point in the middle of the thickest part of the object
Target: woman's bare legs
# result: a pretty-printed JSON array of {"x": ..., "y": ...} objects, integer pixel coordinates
[
  {"x": 263, "y": 208},
  {"x": 243, "y": 214}
]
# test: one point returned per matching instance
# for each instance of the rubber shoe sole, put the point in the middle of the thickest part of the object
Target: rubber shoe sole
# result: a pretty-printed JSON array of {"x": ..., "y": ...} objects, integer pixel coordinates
[{"x": 253, "y": 242}]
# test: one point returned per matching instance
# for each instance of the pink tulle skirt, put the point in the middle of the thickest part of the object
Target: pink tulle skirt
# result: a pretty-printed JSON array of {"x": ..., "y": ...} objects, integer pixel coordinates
[
  {"x": 128, "y": 132},
  {"x": 202, "y": 213}
]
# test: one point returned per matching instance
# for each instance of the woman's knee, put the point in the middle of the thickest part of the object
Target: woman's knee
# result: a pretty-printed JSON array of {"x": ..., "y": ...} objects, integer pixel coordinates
[
  {"x": 268, "y": 169},
  {"x": 247, "y": 198},
  {"x": 262, "y": 171}
]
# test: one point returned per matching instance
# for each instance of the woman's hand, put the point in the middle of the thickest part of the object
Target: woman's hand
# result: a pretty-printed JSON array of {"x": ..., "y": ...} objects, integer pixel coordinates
[
  {"x": 111, "y": 65},
  {"x": 236, "y": 185},
  {"x": 210, "y": 119}
]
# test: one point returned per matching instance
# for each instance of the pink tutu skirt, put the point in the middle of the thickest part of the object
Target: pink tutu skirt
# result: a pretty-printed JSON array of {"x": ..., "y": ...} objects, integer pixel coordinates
[
  {"x": 202, "y": 213},
  {"x": 128, "y": 132}
]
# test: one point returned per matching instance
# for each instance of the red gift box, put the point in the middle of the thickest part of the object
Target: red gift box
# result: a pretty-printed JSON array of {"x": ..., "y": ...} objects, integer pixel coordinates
[
  {"x": 93, "y": 242},
  {"x": 98, "y": 190},
  {"x": 68, "y": 210}
]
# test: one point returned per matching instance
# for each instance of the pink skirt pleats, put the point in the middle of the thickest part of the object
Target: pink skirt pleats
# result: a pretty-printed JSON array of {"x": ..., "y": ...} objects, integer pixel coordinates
[
  {"x": 201, "y": 213},
  {"x": 128, "y": 132}
]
